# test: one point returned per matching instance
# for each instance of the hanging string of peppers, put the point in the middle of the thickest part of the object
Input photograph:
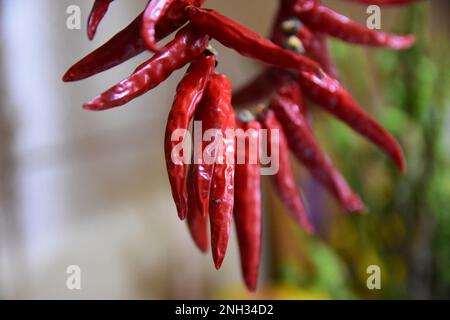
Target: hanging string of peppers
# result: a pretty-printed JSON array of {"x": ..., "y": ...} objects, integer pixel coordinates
[{"x": 298, "y": 64}]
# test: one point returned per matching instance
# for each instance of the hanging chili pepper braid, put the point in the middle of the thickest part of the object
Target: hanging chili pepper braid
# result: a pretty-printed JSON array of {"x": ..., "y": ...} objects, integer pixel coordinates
[{"x": 214, "y": 188}]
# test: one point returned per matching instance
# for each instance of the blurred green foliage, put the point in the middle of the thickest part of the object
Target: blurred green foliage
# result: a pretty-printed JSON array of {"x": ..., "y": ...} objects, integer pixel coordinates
[{"x": 407, "y": 232}]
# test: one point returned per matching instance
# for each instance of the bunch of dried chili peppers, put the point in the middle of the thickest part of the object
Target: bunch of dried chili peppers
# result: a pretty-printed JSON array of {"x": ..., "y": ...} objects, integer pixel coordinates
[{"x": 298, "y": 64}]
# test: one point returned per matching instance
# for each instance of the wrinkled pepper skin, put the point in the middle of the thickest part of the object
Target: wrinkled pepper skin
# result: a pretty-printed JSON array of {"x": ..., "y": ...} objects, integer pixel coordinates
[
  {"x": 284, "y": 181},
  {"x": 211, "y": 114},
  {"x": 164, "y": 14},
  {"x": 128, "y": 43},
  {"x": 202, "y": 169},
  {"x": 155, "y": 11},
  {"x": 258, "y": 88},
  {"x": 96, "y": 16},
  {"x": 322, "y": 19},
  {"x": 305, "y": 147},
  {"x": 197, "y": 223},
  {"x": 123, "y": 46},
  {"x": 248, "y": 43},
  {"x": 329, "y": 94},
  {"x": 222, "y": 186},
  {"x": 188, "y": 96},
  {"x": 187, "y": 45},
  {"x": 284, "y": 13},
  {"x": 316, "y": 47},
  {"x": 247, "y": 209}
]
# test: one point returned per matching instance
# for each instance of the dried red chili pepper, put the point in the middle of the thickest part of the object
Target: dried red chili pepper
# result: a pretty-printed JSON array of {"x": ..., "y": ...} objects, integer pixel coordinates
[
  {"x": 128, "y": 43},
  {"x": 329, "y": 94},
  {"x": 210, "y": 115},
  {"x": 123, "y": 46},
  {"x": 96, "y": 16},
  {"x": 258, "y": 88},
  {"x": 188, "y": 96},
  {"x": 163, "y": 12},
  {"x": 247, "y": 202},
  {"x": 316, "y": 47},
  {"x": 153, "y": 13},
  {"x": 221, "y": 116},
  {"x": 203, "y": 170},
  {"x": 197, "y": 223},
  {"x": 283, "y": 14},
  {"x": 322, "y": 19},
  {"x": 305, "y": 147},
  {"x": 284, "y": 181},
  {"x": 187, "y": 45},
  {"x": 248, "y": 43}
]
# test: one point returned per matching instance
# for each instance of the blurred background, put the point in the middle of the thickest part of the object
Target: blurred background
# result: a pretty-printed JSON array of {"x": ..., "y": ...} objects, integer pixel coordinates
[{"x": 90, "y": 189}]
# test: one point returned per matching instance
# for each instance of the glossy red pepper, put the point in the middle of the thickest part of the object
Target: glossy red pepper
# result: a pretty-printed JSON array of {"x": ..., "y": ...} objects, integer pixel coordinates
[
  {"x": 153, "y": 13},
  {"x": 123, "y": 46},
  {"x": 187, "y": 45},
  {"x": 95, "y": 17},
  {"x": 128, "y": 43},
  {"x": 247, "y": 203},
  {"x": 316, "y": 47},
  {"x": 222, "y": 117},
  {"x": 258, "y": 88},
  {"x": 322, "y": 19},
  {"x": 197, "y": 223},
  {"x": 188, "y": 96},
  {"x": 203, "y": 169},
  {"x": 329, "y": 94},
  {"x": 284, "y": 181},
  {"x": 305, "y": 147},
  {"x": 284, "y": 13},
  {"x": 211, "y": 115},
  {"x": 248, "y": 43},
  {"x": 163, "y": 11}
]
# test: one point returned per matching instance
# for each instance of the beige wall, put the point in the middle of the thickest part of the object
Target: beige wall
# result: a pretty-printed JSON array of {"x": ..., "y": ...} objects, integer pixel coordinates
[{"x": 91, "y": 188}]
